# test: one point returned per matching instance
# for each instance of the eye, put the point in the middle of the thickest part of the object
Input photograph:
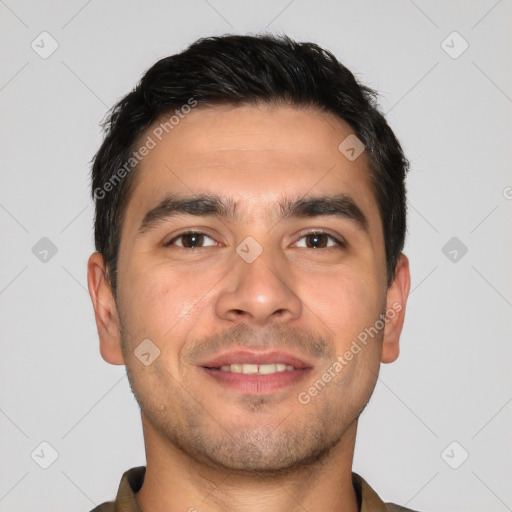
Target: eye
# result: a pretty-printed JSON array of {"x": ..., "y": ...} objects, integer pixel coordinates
[
  {"x": 318, "y": 240},
  {"x": 192, "y": 240}
]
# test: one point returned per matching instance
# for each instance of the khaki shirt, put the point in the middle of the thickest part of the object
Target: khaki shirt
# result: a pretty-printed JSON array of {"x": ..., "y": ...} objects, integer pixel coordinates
[{"x": 133, "y": 478}]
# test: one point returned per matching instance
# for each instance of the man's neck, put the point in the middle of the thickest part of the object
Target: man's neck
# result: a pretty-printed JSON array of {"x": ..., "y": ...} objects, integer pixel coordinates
[{"x": 175, "y": 481}]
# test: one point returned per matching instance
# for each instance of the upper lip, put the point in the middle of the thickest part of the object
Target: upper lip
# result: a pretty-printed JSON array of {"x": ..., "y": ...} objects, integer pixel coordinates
[{"x": 251, "y": 357}]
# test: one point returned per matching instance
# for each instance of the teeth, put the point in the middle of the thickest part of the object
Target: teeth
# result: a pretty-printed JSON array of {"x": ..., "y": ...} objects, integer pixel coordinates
[
  {"x": 267, "y": 368},
  {"x": 255, "y": 369},
  {"x": 249, "y": 368}
]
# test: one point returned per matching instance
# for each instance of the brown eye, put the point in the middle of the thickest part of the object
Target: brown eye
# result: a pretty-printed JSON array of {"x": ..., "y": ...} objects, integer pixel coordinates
[
  {"x": 318, "y": 241},
  {"x": 192, "y": 240}
]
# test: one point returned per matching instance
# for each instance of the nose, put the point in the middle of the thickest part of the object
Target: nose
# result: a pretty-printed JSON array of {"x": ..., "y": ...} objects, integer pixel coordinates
[{"x": 258, "y": 293}]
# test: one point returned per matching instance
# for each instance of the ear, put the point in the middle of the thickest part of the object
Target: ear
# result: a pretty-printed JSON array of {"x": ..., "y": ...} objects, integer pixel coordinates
[
  {"x": 395, "y": 310},
  {"x": 105, "y": 310}
]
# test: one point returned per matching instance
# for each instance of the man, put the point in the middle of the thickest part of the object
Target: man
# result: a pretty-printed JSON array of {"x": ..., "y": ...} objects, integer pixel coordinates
[{"x": 250, "y": 218}]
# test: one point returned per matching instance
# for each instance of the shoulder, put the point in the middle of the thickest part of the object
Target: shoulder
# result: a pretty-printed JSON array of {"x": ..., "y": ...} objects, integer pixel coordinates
[
  {"x": 105, "y": 507},
  {"x": 397, "y": 508},
  {"x": 131, "y": 482},
  {"x": 370, "y": 501}
]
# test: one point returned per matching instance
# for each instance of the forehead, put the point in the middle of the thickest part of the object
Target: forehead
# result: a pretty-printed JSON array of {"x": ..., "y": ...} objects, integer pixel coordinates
[{"x": 255, "y": 154}]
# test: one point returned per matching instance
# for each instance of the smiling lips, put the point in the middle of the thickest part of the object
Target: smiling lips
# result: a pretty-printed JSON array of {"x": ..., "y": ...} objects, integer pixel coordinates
[
  {"x": 255, "y": 372},
  {"x": 257, "y": 369}
]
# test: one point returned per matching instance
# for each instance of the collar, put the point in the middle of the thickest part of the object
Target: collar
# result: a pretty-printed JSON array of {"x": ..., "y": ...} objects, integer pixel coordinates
[{"x": 132, "y": 481}]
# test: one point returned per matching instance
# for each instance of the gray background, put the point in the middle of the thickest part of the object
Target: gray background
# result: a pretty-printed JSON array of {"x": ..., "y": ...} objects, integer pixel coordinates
[{"x": 452, "y": 381}]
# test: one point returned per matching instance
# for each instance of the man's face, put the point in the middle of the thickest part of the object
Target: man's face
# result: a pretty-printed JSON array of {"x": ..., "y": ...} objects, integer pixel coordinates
[{"x": 286, "y": 266}]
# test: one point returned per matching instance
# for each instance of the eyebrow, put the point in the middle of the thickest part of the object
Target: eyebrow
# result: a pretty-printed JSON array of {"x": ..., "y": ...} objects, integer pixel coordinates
[{"x": 225, "y": 208}]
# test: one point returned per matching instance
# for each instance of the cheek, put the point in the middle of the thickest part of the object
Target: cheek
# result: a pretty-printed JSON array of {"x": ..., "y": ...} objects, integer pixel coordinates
[
  {"x": 346, "y": 302},
  {"x": 159, "y": 302},
  {"x": 160, "y": 305}
]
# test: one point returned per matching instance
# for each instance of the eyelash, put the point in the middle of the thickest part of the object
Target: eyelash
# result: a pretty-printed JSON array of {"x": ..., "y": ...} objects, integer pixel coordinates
[{"x": 339, "y": 243}]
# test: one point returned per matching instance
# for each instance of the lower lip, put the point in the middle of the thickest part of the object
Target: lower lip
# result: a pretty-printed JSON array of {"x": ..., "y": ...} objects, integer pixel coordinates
[{"x": 256, "y": 384}]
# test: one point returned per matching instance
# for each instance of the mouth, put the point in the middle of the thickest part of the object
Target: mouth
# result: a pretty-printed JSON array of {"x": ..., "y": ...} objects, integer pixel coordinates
[{"x": 256, "y": 372}]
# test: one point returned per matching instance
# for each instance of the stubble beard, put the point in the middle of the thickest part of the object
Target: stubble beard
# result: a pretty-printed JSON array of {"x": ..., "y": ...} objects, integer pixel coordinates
[{"x": 298, "y": 440}]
